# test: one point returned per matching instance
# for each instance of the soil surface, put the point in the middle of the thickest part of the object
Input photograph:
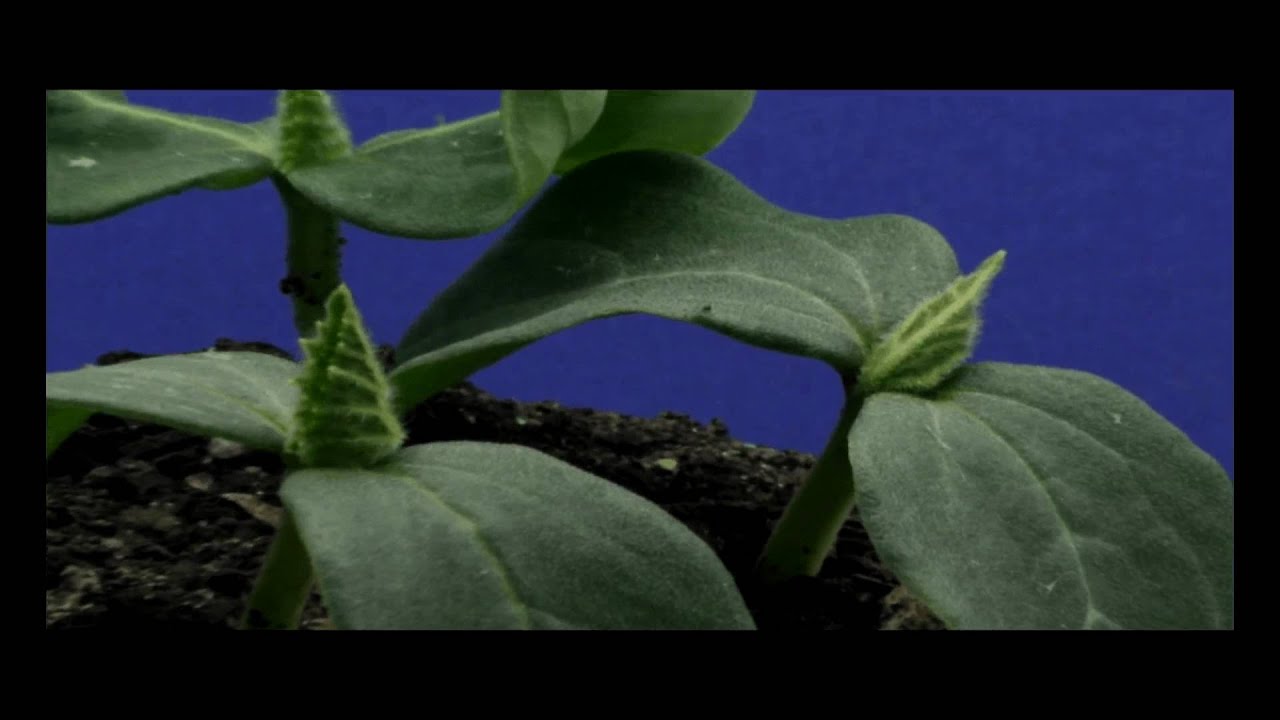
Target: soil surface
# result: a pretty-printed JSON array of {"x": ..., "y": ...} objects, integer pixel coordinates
[{"x": 147, "y": 526}]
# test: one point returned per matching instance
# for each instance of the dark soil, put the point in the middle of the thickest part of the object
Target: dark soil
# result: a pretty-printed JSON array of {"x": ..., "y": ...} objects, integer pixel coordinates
[{"x": 147, "y": 526}]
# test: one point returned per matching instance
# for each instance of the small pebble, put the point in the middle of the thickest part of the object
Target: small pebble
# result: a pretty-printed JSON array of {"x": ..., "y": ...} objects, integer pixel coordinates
[
  {"x": 200, "y": 481},
  {"x": 226, "y": 449}
]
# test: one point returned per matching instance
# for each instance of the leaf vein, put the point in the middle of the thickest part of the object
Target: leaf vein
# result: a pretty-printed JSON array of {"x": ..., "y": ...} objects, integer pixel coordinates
[
  {"x": 1195, "y": 558},
  {"x": 1067, "y": 533},
  {"x": 159, "y": 116},
  {"x": 508, "y": 586}
]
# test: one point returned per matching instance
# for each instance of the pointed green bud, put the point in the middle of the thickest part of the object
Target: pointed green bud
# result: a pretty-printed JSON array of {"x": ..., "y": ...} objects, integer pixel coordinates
[
  {"x": 311, "y": 130},
  {"x": 931, "y": 342},
  {"x": 345, "y": 416}
]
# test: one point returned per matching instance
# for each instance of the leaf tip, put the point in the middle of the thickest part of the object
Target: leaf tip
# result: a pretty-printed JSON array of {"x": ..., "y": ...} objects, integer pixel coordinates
[{"x": 935, "y": 338}]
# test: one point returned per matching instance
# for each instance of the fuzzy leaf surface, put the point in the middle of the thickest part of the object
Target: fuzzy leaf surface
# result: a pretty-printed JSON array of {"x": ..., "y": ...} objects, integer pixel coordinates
[
  {"x": 241, "y": 396},
  {"x": 344, "y": 416},
  {"x": 104, "y": 155},
  {"x": 465, "y": 535},
  {"x": 471, "y": 177},
  {"x": 1025, "y": 497},
  {"x": 672, "y": 235},
  {"x": 934, "y": 339}
]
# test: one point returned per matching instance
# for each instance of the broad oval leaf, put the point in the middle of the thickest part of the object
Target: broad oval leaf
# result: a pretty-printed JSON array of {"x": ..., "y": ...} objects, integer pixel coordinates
[
  {"x": 242, "y": 396},
  {"x": 672, "y": 235},
  {"x": 104, "y": 155},
  {"x": 688, "y": 121},
  {"x": 1039, "y": 498},
  {"x": 465, "y": 535},
  {"x": 471, "y": 177},
  {"x": 344, "y": 416}
]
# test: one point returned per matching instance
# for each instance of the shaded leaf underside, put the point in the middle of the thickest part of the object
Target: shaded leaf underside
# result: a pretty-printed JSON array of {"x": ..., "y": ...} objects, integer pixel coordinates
[
  {"x": 471, "y": 177},
  {"x": 245, "y": 397},
  {"x": 104, "y": 155},
  {"x": 672, "y": 235}
]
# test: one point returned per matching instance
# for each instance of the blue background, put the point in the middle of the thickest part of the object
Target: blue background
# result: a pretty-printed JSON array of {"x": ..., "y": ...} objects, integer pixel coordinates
[{"x": 1116, "y": 209}]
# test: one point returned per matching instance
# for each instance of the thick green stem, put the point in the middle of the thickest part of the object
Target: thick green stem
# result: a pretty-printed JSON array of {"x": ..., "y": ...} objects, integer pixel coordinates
[
  {"x": 283, "y": 585},
  {"x": 807, "y": 531},
  {"x": 314, "y": 257}
]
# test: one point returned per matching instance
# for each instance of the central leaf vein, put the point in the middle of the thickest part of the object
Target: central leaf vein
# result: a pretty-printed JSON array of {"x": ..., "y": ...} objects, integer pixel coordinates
[
  {"x": 1205, "y": 586},
  {"x": 519, "y": 606},
  {"x": 1067, "y": 533},
  {"x": 148, "y": 114}
]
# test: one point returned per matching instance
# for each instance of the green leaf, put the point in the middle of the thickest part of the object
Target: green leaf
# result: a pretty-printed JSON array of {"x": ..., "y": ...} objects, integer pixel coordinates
[
  {"x": 934, "y": 339},
  {"x": 59, "y": 423},
  {"x": 244, "y": 397},
  {"x": 465, "y": 535},
  {"x": 687, "y": 121},
  {"x": 672, "y": 235},
  {"x": 539, "y": 125},
  {"x": 455, "y": 180},
  {"x": 471, "y": 177},
  {"x": 104, "y": 155},
  {"x": 1031, "y": 497},
  {"x": 344, "y": 416},
  {"x": 444, "y": 182}
]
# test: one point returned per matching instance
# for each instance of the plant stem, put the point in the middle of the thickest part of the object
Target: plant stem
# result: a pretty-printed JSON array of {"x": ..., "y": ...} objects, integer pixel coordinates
[
  {"x": 313, "y": 258},
  {"x": 283, "y": 585},
  {"x": 808, "y": 528}
]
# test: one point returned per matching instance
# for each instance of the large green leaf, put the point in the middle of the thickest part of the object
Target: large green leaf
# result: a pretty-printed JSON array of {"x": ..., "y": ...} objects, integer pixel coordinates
[
  {"x": 672, "y": 235},
  {"x": 241, "y": 396},
  {"x": 688, "y": 121},
  {"x": 472, "y": 176},
  {"x": 1030, "y": 497},
  {"x": 104, "y": 155},
  {"x": 469, "y": 535}
]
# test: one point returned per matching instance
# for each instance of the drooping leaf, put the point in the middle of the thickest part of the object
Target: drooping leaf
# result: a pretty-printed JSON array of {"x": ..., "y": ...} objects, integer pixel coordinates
[
  {"x": 465, "y": 535},
  {"x": 444, "y": 182},
  {"x": 454, "y": 180},
  {"x": 672, "y": 235},
  {"x": 104, "y": 155},
  {"x": 241, "y": 396},
  {"x": 934, "y": 339},
  {"x": 59, "y": 423},
  {"x": 470, "y": 177},
  {"x": 687, "y": 121},
  {"x": 344, "y": 416},
  {"x": 1031, "y": 497}
]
